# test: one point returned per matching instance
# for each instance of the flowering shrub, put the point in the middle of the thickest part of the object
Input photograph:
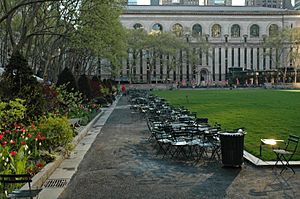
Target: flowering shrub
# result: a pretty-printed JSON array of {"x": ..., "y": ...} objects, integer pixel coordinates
[
  {"x": 58, "y": 131},
  {"x": 11, "y": 112},
  {"x": 50, "y": 96},
  {"x": 18, "y": 144},
  {"x": 87, "y": 112},
  {"x": 69, "y": 101}
]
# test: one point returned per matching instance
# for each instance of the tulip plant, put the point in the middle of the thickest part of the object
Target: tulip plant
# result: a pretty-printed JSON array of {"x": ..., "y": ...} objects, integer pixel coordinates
[{"x": 18, "y": 145}]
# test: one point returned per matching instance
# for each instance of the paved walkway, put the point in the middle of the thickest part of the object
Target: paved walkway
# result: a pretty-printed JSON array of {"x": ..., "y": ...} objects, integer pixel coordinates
[{"x": 121, "y": 163}]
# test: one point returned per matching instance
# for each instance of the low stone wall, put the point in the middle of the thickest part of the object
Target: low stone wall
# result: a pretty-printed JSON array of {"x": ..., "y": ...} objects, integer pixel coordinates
[
  {"x": 150, "y": 86},
  {"x": 284, "y": 86},
  {"x": 174, "y": 86},
  {"x": 296, "y": 85}
]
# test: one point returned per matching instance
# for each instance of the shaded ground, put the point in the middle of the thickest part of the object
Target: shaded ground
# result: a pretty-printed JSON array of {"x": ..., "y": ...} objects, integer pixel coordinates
[{"x": 122, "y": 164}]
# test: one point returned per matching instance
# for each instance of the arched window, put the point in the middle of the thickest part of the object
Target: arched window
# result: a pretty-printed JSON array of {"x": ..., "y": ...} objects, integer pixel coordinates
[
  {"x": 273, "y": 30},
  {"x": 177, "y": 29},
  {"x": 216, "y": 31},
  {"x": 235, "y": 31},
  {"x": 137, "y": 26},
  {"x": 157, "y": 27},
  {"x": 254, "y": 31},
  {"x": 197, "y": 30}
]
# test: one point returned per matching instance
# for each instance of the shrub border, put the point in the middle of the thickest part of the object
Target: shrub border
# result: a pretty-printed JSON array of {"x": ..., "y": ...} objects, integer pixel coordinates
[{"x": 40, "y": 178}]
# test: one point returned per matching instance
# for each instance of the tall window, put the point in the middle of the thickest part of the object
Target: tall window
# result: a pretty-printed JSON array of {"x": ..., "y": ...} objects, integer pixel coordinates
[
  {"x": 168, "y": 66},
  {"x": 239, "y": 57},
  {"x": 137, "y": 26},
  {"x": 273, "y": 30},
  {"x": 251, "y": 58},
  {"x": 270, "y": 61},
  {"x": 187, "y": 66},
  {"x": 141, "y": 65},
  {"x": 197, "y": 30},
  {"x": 194, "y": 65},
  {"x": 220, "y": 64},
  {"x": 235, "y": 31},
  {"x": 264, "y": 58},
  {"x": 226, "y": 61},
  {"x": 161, "y": 67},
  {"x": 245, "y": 57},
  {"x": 181, "y": 65},
  {"x": 257, "y": 59},
  {"x": 200, "y": 57},
  {"x": 232, "y": 57},
  {"x": 177, "y": 29},
  {"x": 216, "y": 31},
  {"x": 254, "y": 31},
  {"x": 174, "y": 71},
  {"x": 214, "y": 63},
  {"x": 157, "y": 27}
]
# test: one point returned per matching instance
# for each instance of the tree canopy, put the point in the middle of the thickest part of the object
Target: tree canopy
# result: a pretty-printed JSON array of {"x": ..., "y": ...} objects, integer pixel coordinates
[
  {"x": 54, "y": 34},
  {"x": 155, "y": 44},
  {"x": 285, "y": 45}
]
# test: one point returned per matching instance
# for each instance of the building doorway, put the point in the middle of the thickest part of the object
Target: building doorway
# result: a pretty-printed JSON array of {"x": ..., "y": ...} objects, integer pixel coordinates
[{"x": 204, "y": 76}]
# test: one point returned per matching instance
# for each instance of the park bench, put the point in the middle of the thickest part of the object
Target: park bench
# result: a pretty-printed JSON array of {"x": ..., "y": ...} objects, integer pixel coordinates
[{"x": 18, "y": 179}]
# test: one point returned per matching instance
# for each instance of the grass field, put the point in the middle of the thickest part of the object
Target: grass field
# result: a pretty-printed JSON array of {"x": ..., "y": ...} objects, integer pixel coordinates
[{"x": 263, "y": 113}]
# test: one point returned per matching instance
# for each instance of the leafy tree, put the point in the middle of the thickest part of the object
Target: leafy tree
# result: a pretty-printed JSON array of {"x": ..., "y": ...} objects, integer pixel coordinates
[
  {"x": 69, "y": 102},
  {"x": 136, "y": 42},
  {"x": 16, "y": 76},
  {"x": 54, "y": 34},
  {"x": 84, "y": 86},
  {"x": 156, "y": 43},
  {"x": 95, "y": 86},
  {"x": 285, "y": 44},
  {"x": 67, "y": 78},
  {"x": 18, "y": 82},
  {"x": 99, "y": 33}
]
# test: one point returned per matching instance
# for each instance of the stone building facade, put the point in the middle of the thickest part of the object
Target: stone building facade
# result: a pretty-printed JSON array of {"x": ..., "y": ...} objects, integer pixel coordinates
[
  {"x": 235, "y": 35},
  {"x": 180, "y": 2},
  {"x": 285, "y": 4},
  {"x": 297, "y": 4},
  {"x": 219, "y": 2}
]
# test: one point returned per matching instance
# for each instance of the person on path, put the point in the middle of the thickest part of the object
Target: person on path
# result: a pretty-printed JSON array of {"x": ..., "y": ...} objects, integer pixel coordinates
[{"x": 123, "y": 89}]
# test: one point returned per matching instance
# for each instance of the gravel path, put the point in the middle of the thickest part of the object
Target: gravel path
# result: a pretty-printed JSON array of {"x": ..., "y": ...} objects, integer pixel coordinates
[{"x": 123, "y": 164}]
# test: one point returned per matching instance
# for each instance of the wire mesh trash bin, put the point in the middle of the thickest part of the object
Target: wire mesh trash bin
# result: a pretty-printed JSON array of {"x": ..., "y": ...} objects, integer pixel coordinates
[{"x": 232, "y": 148}]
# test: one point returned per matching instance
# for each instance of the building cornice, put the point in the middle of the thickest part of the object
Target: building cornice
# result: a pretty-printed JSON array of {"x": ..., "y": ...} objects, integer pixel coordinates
[{"x": 204, "y": 10}]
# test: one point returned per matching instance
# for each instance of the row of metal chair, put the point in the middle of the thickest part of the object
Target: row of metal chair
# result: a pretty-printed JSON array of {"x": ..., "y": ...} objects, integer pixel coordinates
[{"x": 175, "y": 131}]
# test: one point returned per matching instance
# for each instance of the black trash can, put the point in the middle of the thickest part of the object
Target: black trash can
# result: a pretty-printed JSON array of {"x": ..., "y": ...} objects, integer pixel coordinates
[{"x": 232, "y": 148}]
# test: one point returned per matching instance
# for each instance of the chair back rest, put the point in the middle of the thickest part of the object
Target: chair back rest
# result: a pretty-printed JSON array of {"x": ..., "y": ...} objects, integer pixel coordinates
[
  {"x": 202, "y": 120},
  {"x": 292, "y": 143},
  {"x": 14, "y": 179}
]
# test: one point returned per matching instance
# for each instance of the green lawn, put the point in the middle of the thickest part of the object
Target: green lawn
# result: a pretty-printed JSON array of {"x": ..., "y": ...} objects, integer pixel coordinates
[{"x": 263, "y": 113}]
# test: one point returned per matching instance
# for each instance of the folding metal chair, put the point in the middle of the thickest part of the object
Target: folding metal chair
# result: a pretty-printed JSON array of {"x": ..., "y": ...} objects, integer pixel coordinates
[
  {"x": 286, "y": 154},
  {"x": 18, "y": 179}
]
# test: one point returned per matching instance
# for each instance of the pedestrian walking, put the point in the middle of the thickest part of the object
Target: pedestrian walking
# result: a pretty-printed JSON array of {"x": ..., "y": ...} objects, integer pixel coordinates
[{"x": 123, "y": 89}]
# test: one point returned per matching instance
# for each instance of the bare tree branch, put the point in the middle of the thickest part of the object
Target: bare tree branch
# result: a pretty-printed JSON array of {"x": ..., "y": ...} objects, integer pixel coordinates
[{"x": 21, "y": 4}]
